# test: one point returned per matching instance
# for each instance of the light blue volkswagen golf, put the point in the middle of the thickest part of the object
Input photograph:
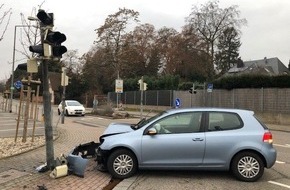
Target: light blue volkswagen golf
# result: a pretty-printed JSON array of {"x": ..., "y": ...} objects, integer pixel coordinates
[{"x": 189, "y": 139}]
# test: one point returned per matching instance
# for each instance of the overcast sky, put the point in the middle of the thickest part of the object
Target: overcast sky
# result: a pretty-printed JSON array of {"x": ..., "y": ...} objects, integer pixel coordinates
[{"x": 267, "y": 33}]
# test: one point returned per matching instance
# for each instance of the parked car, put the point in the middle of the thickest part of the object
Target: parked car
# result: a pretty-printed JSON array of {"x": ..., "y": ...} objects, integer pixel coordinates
[
  {"x": 72, "y": 107},
  {"x": 189, "y": 139}
]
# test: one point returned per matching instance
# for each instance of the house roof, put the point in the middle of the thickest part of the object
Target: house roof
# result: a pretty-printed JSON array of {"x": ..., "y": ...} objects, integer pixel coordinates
[{"x": 266, "y": 66}]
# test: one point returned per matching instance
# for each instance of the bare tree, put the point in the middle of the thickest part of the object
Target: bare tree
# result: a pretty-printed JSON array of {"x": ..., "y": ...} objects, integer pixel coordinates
[
  {"x": 4, "y": 19},
  {"x": 30, "y": 32},
  {"x": 210, "y": 20},
  {"x": 72, "y": 62},
  {"x": 110, "y": 34},
  {"x": 139, "y": 55}
]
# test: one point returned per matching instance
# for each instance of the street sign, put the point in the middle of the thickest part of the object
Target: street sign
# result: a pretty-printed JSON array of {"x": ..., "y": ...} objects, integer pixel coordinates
[
  {"x": 18, "y": 84},
  {"x": 177, "y": 103},
  {"x": 119, "y": 86},
  {"x": 209, "y": 87}
]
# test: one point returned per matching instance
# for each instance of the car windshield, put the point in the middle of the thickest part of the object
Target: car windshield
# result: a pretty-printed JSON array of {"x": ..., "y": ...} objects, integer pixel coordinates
[
  {"x": 144, "y": 121},
  {"x": 73, "y": 103}
]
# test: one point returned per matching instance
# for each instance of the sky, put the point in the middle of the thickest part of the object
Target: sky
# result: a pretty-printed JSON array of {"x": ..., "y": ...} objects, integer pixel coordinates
[{"x": 267, "y": 33}]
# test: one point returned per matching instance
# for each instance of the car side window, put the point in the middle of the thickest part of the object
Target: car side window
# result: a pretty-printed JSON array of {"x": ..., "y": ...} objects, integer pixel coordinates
[
  {"x": 188, "y": 122},
  {"x": 219, "y": 121}
]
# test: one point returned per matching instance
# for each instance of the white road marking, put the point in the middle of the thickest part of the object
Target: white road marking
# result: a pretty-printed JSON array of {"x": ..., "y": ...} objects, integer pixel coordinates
[
  {"x": 285, "y": 146},
  {"x": 280, "y": 184},
  {"x": 20, "y": 129},
  {"x": 280, "y": 162}
]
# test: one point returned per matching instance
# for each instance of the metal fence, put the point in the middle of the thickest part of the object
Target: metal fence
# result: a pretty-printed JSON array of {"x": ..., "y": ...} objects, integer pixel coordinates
[{"x": 270, "y": 100}]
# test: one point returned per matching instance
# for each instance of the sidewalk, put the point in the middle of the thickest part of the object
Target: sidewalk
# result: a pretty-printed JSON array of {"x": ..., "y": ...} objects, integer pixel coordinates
[{"x": 18, "y": 172}]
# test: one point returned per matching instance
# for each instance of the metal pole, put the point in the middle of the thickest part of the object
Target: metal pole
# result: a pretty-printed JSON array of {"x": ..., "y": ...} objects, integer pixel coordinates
[
  {"x": 47, "y": 110},
  {"x": 13, "y": 63},
  {"x": 26, "y": 113},
  {"x": 63, "y": 95},
  {"x": 12, "y": 75},
  {"x": 47, "y": 116},
  {"x": 141, "y": 101}
]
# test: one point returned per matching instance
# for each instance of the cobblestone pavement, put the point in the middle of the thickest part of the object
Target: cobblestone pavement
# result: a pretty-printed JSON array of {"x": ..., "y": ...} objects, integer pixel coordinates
[{"x": 24, "y": 165}]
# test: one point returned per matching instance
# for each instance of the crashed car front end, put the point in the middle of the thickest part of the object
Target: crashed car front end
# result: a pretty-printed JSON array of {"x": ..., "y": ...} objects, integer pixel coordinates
[
  {"x": 112, "y": 130},
  {"x": 102, "y": 156}
]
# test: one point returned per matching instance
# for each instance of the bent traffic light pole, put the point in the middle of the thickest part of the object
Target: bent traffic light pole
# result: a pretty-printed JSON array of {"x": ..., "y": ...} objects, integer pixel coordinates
[
  {"x": 45, "y": 20},
  {"x": 49, "y": 49},
  {"x": 47, "y": 116}
]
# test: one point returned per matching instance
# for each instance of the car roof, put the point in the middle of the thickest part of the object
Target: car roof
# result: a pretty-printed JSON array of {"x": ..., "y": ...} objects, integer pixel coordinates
[{"x": 212, "y": 109}]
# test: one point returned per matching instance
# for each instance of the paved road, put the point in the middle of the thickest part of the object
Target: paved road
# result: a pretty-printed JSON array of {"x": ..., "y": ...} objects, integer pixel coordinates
[{"x": 8, "y": 125}]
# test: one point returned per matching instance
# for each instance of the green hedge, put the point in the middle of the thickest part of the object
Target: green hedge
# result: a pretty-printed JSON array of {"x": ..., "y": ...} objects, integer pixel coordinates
[{"x": 252, "y": 81}]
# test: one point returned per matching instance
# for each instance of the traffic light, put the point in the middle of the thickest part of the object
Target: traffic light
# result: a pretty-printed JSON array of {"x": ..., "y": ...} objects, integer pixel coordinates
[
  {"x": 22, "y": 66},
  {"x": 51, "y": 40},
  {"x": 37, "y": 49},
  {"x": 144, "y": 86},
  {"x": 192, "y": 90},
  {"x": 141, "y": 84},
  {"x": 46, "y": 19},
  {"x": 54, "y": 39}
]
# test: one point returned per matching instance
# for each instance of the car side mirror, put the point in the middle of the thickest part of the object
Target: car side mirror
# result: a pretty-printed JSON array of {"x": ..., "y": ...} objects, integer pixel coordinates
[{"x": 152, "y": 131}]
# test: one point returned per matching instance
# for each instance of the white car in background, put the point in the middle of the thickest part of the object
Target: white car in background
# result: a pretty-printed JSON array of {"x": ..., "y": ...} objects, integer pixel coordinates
[{"x": 72, "y": 107}]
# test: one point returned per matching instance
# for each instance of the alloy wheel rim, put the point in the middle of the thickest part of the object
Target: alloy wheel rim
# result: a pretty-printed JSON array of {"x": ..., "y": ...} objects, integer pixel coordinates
[
  {"x": 248, "y": 167},
  {"x": 123, "y": 164}
]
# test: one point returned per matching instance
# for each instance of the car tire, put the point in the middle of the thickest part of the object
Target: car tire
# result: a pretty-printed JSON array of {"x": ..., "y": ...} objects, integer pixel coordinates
[
  {"x": 247, "y": 166},
  {"x": 66, "y": 113},
  {"x": 122, "y": 164},
  {"x": 58, "y": 111}
]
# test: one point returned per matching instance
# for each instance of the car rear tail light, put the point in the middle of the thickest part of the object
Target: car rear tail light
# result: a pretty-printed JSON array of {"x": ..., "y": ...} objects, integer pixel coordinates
[{"x": 268, "y": 137}]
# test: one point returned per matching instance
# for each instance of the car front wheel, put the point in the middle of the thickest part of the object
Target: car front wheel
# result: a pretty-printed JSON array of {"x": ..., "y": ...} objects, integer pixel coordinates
[
  {"x": 247, "y": 166},
  {"x": 122, "y": 164}
]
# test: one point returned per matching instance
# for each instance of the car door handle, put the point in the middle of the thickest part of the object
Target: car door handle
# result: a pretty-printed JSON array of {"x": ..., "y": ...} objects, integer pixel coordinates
[{"x": 197, "y": 139}]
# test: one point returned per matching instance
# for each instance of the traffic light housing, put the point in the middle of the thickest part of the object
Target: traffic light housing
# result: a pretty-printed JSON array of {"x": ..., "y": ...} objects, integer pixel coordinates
[
  {"x": 22, "y": 66},
  {"x": 144, "y": 86},
  {"x": 37, "y": 49},
  {"x": 46, "y": 19},
  {"x": 192, "y": 90},
  {"x": 51, "y": 40},
  {"x": 54, "y": 39}
]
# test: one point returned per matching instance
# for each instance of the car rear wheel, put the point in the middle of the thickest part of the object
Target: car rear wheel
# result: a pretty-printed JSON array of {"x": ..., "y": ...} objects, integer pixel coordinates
[
  {"x": 247, "y": 166},
  {"x": 122, "y": 164}
]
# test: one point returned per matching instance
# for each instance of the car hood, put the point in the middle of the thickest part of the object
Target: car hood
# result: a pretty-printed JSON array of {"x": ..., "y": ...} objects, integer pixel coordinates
[
  {"x": 76, "y": 107},
  {"x": 117, "y": 128}
]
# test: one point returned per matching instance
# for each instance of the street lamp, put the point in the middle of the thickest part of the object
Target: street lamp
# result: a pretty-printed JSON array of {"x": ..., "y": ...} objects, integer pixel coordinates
[{"x": 13, "y": 62}]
